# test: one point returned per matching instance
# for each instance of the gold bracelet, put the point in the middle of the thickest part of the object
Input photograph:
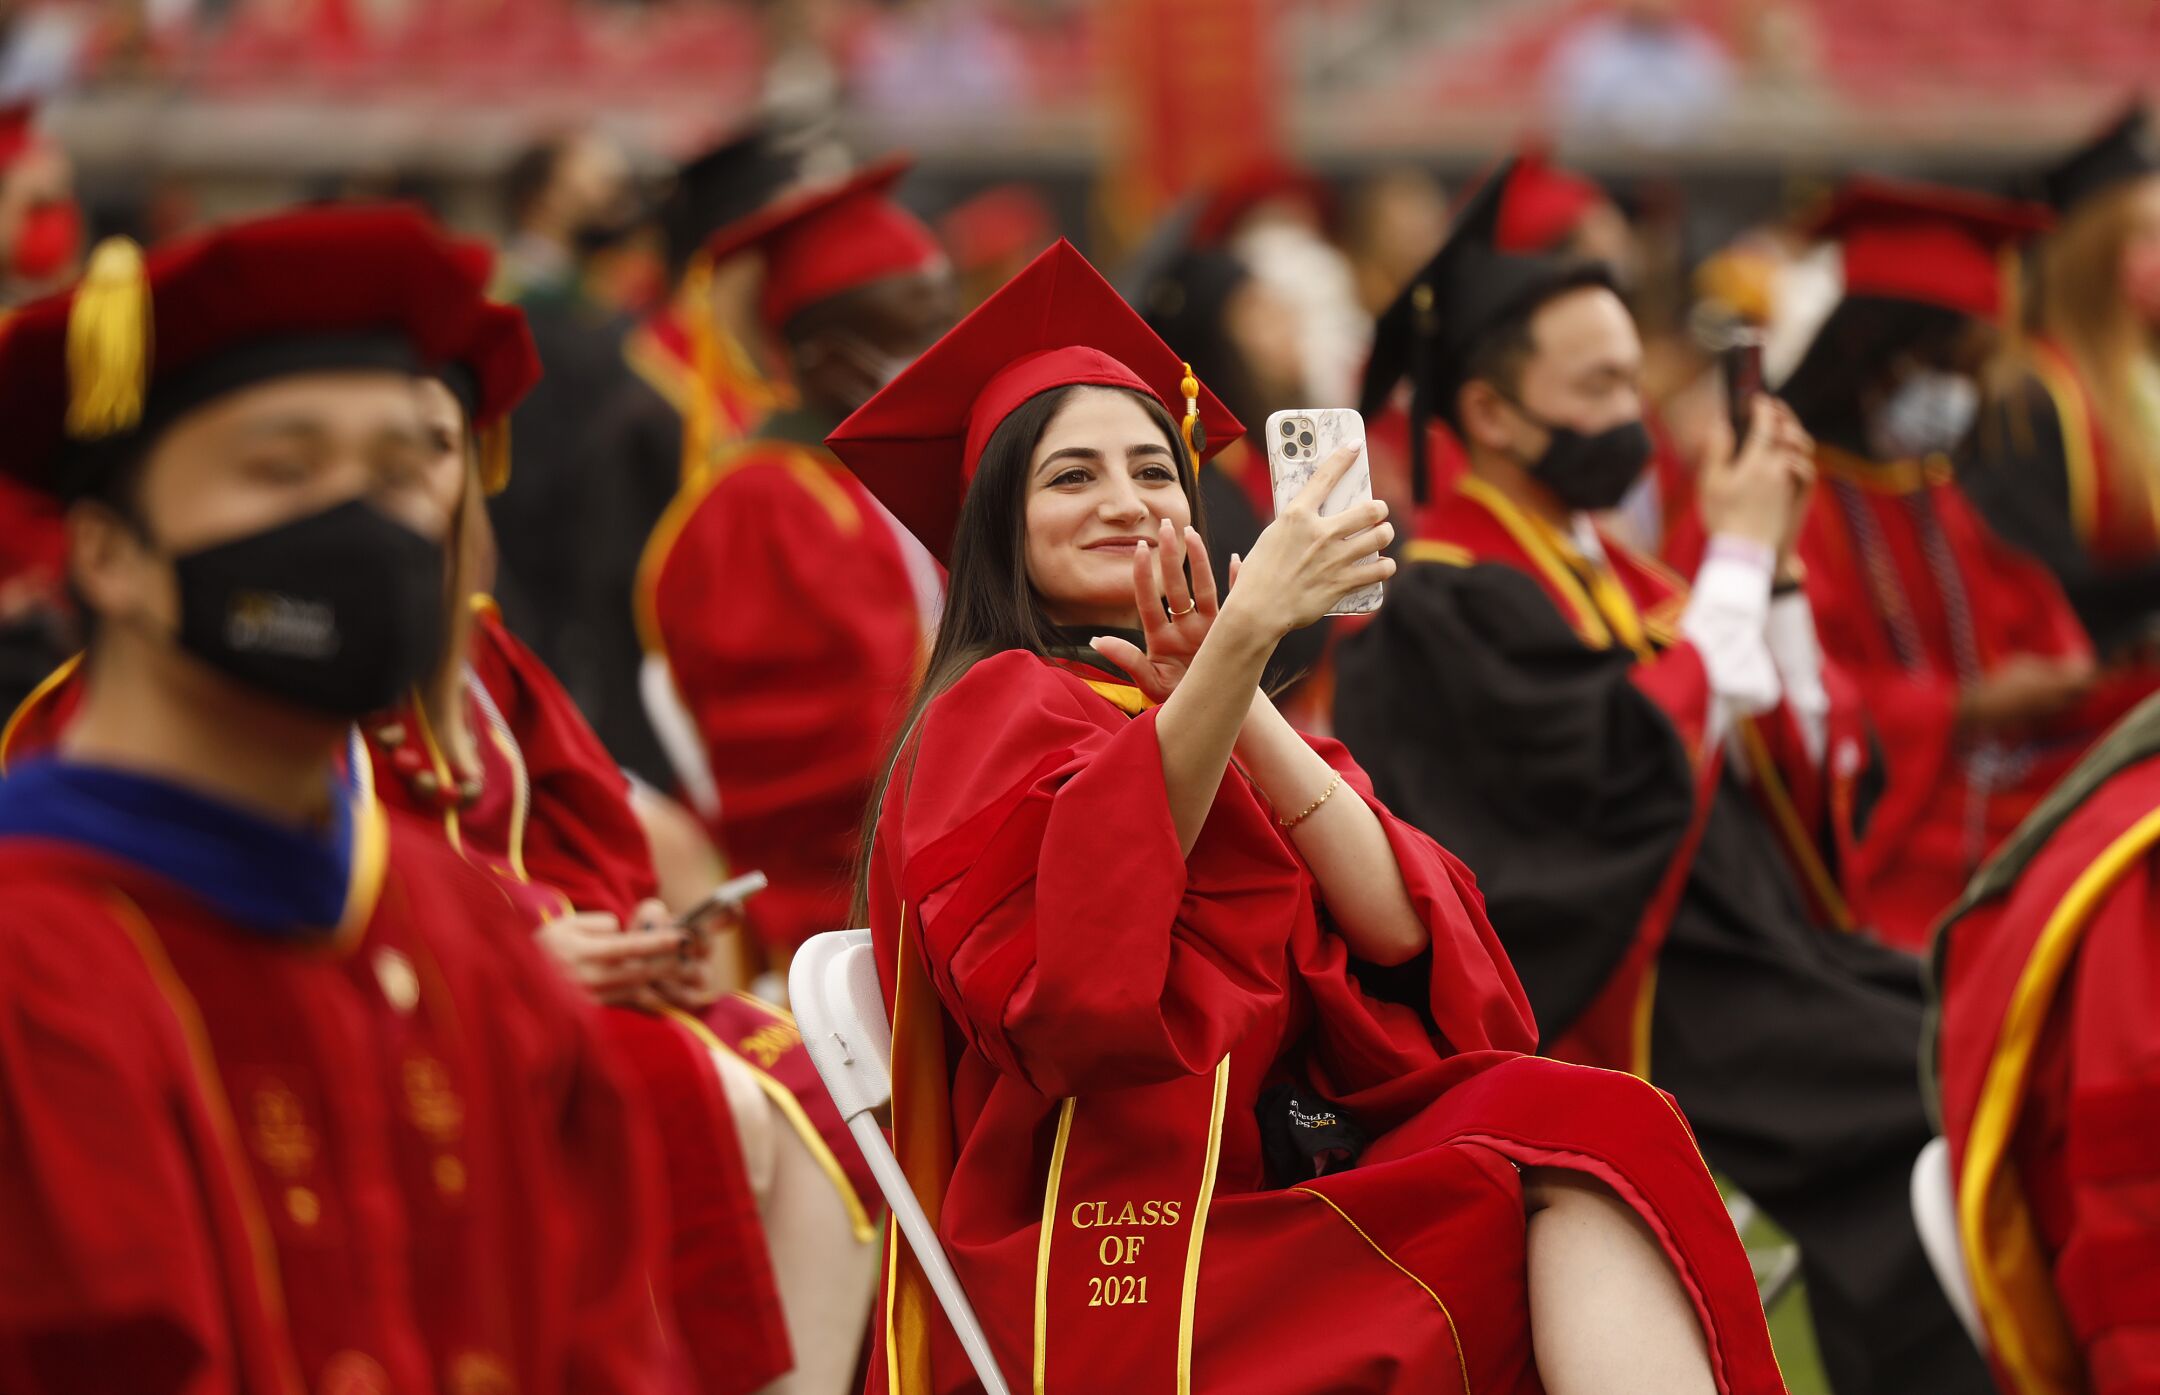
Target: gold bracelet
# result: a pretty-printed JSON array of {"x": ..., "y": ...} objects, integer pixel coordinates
[{"x": 1333, "y": 785}]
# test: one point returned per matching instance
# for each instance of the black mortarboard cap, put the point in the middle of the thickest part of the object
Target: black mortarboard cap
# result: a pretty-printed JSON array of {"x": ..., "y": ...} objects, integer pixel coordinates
[
  {"x": 727, "y": 183},
  {"x": 2125, "y": 150},
  {"x": 1467, "y": 290}
]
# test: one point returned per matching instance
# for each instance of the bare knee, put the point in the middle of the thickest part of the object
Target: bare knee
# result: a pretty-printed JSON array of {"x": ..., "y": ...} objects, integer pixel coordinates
[{"x": 1567, "y": 1191}]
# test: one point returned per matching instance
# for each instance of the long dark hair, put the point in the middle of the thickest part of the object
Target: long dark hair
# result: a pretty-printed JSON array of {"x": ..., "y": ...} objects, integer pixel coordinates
[{"x": 990, "y": 604}]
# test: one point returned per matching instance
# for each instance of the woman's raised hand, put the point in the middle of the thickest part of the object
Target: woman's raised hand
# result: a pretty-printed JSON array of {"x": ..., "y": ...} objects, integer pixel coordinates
[
  {"x": 1174, "y": 615},
  {"x": 1303, "y": 564}
]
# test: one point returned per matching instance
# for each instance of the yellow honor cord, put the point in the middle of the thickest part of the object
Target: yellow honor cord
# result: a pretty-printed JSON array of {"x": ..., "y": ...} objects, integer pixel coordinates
[{"x": 108, "y": 343}]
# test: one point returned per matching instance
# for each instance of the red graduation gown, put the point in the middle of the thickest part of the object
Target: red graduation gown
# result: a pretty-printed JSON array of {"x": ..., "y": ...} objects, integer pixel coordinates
[
  {"x": 1085, "y": 1019},
  {"x": 552, "y": 823},
  {"x": 2050, "y": 1085},
  {"x": 396, "y": 1161},
  {"x": 780, "y": 595},
  {"x": 1910, "y": 591},
  {"x": 550, "y": 820}
]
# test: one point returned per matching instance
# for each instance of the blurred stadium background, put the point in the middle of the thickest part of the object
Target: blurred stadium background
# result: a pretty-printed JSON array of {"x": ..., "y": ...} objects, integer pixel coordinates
[{"x": 1713, "y": 112}]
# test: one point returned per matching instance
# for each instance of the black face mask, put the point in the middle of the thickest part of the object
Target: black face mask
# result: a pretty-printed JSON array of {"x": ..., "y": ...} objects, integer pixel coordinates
[
  {"x": 339, "y": 612},
  {"x": 1588, "y": 473}
]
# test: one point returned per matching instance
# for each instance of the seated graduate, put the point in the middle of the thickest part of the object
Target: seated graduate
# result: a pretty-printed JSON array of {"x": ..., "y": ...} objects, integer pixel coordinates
[
  {"x": 2048, "y": 1063},
  {"x": 291, "y": 1100},
  {"x": 1970, "y": 663},
  {"x": 783, "y": 615},
  {"x": 489, "y": 754},
  {"x": 1649, "y": 781},
  {"x": 1121, "y": 912}
]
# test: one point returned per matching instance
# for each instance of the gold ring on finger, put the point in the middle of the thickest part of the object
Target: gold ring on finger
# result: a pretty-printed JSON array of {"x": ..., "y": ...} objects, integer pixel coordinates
[{"x": 1190, "y": 607}]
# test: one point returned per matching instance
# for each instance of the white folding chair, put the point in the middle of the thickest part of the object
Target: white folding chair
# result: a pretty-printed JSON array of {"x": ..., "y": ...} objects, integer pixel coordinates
[
  {"x": 833, "y": 990},
  {"x": 1934, "y": 1207},
  {"x": 1777, "y": 1267}
]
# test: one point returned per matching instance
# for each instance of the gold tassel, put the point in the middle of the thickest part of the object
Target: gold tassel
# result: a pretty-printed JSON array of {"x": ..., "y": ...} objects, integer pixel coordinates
[
  {"x": 700, "y": 419},
  {"x": 1195, "y": 434},
  {"x": 108, "y": 343},
  {"x": 495, "y": 458}
]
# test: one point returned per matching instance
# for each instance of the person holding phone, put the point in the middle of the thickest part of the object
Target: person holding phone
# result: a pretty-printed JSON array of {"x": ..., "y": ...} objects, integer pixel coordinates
[
  {"x": 1643, "y": 775},
  {"x": 1207, "y": 1069},
  {"x": 1971, "y": 664}
]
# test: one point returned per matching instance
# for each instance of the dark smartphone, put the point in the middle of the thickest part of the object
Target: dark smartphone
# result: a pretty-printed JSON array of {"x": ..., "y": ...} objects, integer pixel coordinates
[{"x": 1743, "y": 380}]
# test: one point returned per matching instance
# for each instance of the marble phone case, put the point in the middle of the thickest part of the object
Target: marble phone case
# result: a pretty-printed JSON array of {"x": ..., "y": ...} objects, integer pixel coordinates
[{"x": 1291, "y": 462}]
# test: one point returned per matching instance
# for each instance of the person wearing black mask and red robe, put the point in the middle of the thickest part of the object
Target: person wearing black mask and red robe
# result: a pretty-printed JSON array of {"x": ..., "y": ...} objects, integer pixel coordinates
[
  {"x": 1599, "y": 742},
  {"x": 293, "y": 1103}
]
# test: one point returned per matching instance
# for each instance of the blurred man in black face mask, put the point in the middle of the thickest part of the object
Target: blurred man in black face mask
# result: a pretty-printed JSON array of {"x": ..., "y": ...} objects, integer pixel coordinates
[
  {"x": 292, "y": 1025},
  {"x": 1648, "y": 778}
]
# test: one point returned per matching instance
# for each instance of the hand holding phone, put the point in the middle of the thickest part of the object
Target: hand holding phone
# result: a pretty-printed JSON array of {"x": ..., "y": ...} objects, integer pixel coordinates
[
  {"x": 1298, "y": 440},
  {"x": 1742, "y": 360},
  {"x": 729, "y": 895}
]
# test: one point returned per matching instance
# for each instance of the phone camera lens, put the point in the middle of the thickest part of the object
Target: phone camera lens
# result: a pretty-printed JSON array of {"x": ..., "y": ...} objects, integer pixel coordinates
[
  {"x": 1290, "y": 451},
  {"x": 1304, "y": 438},
  {"x": 1289, "y": 429}
]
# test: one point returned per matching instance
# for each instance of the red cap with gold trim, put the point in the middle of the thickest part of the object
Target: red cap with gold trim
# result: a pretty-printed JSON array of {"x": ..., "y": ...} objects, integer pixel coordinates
[
  {"x": 1925, "y": 243},
  {"x": 916, "y": 445},
  {"x": 90, "y": 375},
  {"x": 821, "y": 244}
]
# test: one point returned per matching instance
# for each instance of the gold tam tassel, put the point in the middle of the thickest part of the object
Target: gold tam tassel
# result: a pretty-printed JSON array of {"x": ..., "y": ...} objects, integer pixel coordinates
[
  {"x": 108, "y": 343},
  {"x": 495, "y": 458},
  {"x": 1195, "y": 434}
]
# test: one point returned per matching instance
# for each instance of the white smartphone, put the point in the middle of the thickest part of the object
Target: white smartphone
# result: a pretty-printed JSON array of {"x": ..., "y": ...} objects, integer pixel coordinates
[
  {"x": 1297, "y": 441},
  {"x": 729, "y": 894}
]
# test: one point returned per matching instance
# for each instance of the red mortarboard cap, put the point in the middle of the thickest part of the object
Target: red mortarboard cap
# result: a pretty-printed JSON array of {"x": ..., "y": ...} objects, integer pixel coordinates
[
  {"x": 1929, "y": 244},
  {"x": 1541, "y": 205},
  {"x": 16, "y": 135},
  {"x": 138, "y": 342},
  {"x": 1057, "y": 324},
  {"x": 833, "y": 240}
]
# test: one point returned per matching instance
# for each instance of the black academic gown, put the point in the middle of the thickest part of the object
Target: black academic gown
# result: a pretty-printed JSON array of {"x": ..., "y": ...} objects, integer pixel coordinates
[
  {"x": 541, "y": 528},
  {"x": 634, "y": 443},
  {"x": 1792, "y": 1049},
  {"x": 2015, "y": 469}
]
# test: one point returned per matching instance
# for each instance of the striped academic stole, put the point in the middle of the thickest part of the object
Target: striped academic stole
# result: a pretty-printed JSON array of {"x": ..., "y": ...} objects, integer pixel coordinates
[{"x": 1125, "y": 1212}]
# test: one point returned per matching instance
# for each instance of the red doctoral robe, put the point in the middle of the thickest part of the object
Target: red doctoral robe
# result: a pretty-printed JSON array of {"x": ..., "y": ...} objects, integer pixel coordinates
[
  {"x": 1085, "y": 1020},
  {"x": 552, "y": 824},
  {"x": 389, "y": 1158},
  {"x": 790, "y": 612},
  {"x": 2049, "y": 1070}
]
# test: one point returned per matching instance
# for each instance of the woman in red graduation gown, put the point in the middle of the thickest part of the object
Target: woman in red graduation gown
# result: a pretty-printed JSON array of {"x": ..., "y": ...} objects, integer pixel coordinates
[
  {"x": 1207, "y": 1072},
  {"x": 2046, "y": 973},
  {"x": 494, "y": 753}
]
